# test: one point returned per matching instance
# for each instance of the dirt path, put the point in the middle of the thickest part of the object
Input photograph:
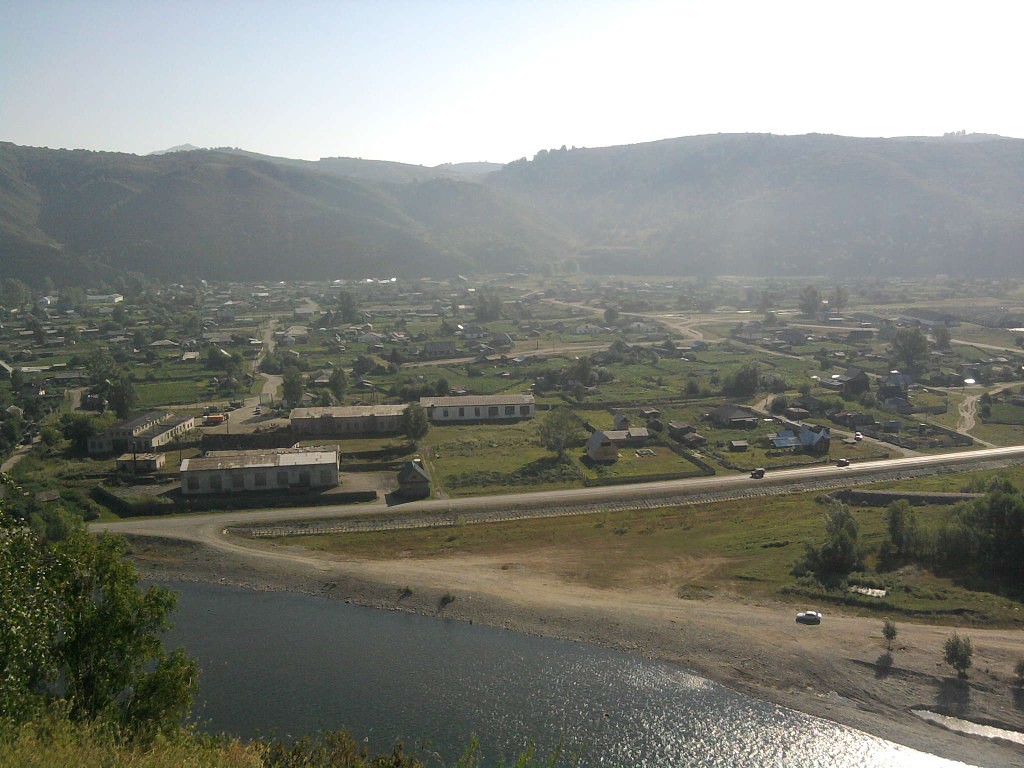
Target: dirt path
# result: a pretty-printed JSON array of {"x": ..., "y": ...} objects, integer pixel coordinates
[
  {"x": 967, "y": 417},
  {"x": 968, "y": 410}
]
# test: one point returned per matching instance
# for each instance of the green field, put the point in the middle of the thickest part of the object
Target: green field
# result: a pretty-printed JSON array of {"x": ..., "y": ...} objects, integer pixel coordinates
[{"x": 736, "y": 548}]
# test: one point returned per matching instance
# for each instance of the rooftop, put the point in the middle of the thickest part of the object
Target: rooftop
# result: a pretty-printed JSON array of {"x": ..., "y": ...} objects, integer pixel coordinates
[
  {"x": 472, "y": 400},
  {"x": 260, "y": 459},
  {"x": 349, "y": 411}
]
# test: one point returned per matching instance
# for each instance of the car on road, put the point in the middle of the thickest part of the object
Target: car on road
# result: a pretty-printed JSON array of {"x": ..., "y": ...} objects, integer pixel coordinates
[
  {"x": 843, "y": 463},
  {"x": 758, "y": 473},
  {"x": 258, "y": 410},
  {"x": 808, "y": 617},
  {"x": 858, "y": 436}
]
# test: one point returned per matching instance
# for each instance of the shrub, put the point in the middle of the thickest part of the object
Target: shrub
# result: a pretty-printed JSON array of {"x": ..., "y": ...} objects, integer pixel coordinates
[{"x": 958, "y": 652}]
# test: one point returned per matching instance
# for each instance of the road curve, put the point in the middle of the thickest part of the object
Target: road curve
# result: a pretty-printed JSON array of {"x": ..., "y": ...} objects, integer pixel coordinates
[{"x": 210, "y": 527}]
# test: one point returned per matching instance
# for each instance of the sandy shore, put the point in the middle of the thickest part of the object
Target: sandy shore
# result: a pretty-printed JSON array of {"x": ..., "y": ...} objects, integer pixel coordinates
[{"x": 831, "y": 671}]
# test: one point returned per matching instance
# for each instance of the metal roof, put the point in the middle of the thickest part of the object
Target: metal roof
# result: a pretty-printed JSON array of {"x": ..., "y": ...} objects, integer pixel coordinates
[
  {"x": 473, "y": 400},
  {"x": 349, "y": 411},
  {"x": 256, "y": 459}
]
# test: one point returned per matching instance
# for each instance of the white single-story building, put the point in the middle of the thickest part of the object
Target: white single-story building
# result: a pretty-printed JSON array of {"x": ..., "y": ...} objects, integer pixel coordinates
[
  {"x": 471, "y": 408},
  {"x": 229, "y": 472}
]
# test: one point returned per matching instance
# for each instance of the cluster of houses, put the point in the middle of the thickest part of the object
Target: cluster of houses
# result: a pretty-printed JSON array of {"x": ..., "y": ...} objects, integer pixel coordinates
[{"x": 603, "y": 445}]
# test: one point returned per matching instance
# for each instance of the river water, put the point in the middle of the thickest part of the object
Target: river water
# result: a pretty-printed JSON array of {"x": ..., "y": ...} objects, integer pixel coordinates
[{"x": 285, "y": 664}]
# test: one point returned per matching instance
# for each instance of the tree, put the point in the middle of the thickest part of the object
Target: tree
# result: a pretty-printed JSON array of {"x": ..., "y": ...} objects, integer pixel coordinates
[
  {"x": 441, "y": 387},
  {"x": 414, "y": 422},
  {"x": 100, "y": 366},
  {"x": 889, "y": 633},
  {"x": 744, "y": 382},
  {"x": 839, "y": 299},
  {"x": 79, "y": 427},
  {"x": 942, "y": 336},
  {"x": 901, "y": 521},
  {"x": 348, "y": 307},
  {"x": 338, "y": 383},
  {"x": 958, "y": 652},
  {"x": 558, "y": 430},
  {"x": 810, "y": 301},
  {"x": 611, "y": 315},
  {"x": 487, "y": 306},
  {"x": 122, "y": 395},
  {"x": 841, "y": 552},
  {"x": 14, "y": 293},
  {"x": 909, "y": 348},
  {"x": 75, "y": 626},
  {"x": 582, "y": 371},
  {"x": 986, "y": 537},
  {"x": 292, "y": 387}
]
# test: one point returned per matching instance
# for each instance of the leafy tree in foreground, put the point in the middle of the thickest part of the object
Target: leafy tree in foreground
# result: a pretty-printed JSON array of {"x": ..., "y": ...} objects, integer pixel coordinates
[
  {"x": 75, "y": 627},
  {"x": 558, "y": 430},
  {"x": 958, "y": 652}
]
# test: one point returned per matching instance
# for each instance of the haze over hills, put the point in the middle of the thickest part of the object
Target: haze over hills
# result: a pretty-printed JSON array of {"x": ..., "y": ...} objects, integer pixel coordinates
[{"x": 719, "y": 204}]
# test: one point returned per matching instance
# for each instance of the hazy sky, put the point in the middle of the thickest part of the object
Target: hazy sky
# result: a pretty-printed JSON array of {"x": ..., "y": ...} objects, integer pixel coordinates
[{"x": 433, "y": 81}]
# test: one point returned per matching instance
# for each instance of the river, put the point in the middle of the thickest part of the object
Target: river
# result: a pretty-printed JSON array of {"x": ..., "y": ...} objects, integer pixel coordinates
[{"x": 285, "y": 664}]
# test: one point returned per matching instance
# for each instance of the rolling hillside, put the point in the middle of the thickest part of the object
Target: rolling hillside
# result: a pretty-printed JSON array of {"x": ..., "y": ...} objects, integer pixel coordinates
[
  {"x": 722, "y": 204},
  {"x": 225, "y": 215},
  {"x": 762, "y": 204}
]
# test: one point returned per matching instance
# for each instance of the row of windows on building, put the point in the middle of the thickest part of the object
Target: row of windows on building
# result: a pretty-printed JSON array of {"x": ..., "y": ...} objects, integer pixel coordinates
[
  {"x": 493, "y": 411},
  {"x": 215, "y": 482}
]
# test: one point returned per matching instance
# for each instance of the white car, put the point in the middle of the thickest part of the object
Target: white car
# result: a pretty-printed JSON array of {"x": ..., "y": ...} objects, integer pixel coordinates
[
  {"x": 808, "y": 617},
  {"x": 858, "y": 436}
]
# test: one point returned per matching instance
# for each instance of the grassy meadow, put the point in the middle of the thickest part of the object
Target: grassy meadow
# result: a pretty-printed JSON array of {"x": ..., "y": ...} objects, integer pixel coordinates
[{"x": 733, "y": 548}]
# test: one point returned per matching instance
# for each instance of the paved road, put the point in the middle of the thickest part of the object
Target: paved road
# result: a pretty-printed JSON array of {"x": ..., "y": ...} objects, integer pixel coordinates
[{"x": 210, "y": 527}]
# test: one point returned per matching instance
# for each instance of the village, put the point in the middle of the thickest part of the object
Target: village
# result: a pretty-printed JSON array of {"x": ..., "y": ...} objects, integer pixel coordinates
[{"x": 174, "y": 398}]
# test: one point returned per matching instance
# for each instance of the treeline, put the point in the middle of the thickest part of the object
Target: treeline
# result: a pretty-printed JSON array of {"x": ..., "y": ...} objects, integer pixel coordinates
[{"x": 982, "y": 541}]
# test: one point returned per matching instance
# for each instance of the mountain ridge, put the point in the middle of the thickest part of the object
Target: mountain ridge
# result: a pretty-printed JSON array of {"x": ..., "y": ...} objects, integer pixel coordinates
[{"x": 713, "y": 204}]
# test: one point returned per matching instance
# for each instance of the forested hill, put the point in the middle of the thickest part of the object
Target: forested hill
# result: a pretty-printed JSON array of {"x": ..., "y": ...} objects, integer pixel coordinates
[
  {"x": 764, "y": 204},
  {"x": 77, "y": 215},
  {"x": 721, "y": 204}
]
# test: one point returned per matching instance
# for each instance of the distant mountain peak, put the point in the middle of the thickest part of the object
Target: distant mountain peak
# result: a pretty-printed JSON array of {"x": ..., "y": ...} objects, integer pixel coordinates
[{"x": 179, "y": 148}]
